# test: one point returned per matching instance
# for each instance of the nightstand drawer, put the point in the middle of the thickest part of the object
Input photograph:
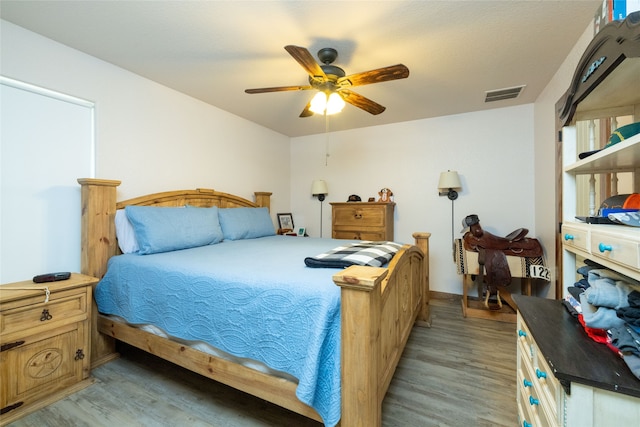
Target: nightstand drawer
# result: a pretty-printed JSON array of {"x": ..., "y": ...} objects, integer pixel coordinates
[
  {"x": 46, "y": 364},
  {"x": 34, "y": 315}
]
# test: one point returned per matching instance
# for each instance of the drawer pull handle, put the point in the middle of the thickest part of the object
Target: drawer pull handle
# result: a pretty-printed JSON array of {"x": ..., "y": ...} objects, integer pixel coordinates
[
  {"x": 79, "y": 354},
  {"x": 526, "y": 424},
  {"x": 603, "y": 248},
  {"x": 533, "y": 401},
  {"x": 521, "y": 333},
  {"x": 10, "y": 408},
  {"x": 527, "y": 383},
  {"x": 540, "y": 374},
  {"x": 568, "y": 236},
  {"x": 45, "y": 315},
  {"x": 358, "y": 216},
  {"x": 9, "y": 346}
]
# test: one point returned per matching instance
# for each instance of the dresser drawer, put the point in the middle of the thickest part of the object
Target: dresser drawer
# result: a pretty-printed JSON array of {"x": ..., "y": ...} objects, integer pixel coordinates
[
  {"x": 547, "y": 384},
  {"x": 34, "y": 315},
  {"x": 616, "y": 248},
  {"x": 358, "y": 216},
  {"x": 358, "y": 235},
  {"x": 362, "y": 221},
  {"x": 575, "y": 236}
]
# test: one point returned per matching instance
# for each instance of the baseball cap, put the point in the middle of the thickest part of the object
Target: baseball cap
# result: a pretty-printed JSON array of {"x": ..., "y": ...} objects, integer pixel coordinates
[{"x": 618, "y": 135}]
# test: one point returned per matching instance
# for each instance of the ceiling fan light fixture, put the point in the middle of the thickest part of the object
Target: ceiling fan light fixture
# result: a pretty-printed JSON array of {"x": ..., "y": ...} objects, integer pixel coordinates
[
  {"x": 335, "y": 103},
  {"x": 331, "y": 104},
  {"x": 318, "y": 103}
]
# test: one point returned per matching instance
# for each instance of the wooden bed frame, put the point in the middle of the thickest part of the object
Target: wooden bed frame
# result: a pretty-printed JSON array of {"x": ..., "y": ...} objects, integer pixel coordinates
[{"x": 379, "y": 309}]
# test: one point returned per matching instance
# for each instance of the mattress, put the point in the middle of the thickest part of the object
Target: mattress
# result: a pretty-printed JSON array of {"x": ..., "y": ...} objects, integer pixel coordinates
[{"x": 253, "y": 299}]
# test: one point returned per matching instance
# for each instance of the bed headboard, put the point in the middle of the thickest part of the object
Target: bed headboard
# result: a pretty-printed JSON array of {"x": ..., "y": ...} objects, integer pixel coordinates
[
  {"x": 98, "y": 200},
  {"x": 98, "y": 233}
]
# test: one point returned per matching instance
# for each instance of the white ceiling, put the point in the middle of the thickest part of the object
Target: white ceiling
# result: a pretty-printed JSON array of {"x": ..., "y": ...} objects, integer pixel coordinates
[{"x": 213, "y": 50}]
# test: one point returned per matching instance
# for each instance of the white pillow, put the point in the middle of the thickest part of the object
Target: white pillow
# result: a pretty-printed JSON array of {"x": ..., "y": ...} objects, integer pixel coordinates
[{"x": 125, "y": 233}]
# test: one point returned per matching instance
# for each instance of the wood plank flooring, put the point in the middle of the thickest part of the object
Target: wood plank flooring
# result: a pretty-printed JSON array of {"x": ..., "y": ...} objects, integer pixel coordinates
[{"x": 458, "y": 372}]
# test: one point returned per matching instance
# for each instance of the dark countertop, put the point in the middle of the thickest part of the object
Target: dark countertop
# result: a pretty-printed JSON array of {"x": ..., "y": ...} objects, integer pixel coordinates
[{"x": 571, "y": 354}]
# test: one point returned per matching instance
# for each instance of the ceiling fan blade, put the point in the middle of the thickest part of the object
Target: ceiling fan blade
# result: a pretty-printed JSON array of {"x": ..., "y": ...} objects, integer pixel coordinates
[
  {"x": 361, "y": 102},
  {"x": 307, "y": 112},
  {"x": 393, "y": 72},
  {"x": 305, "y": 59},
  {"x": 278, "y": 89}
]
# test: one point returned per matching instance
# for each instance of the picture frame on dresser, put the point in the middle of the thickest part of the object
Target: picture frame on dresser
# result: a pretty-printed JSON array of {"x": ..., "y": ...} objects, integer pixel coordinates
[{"x": 285, "y": 221}]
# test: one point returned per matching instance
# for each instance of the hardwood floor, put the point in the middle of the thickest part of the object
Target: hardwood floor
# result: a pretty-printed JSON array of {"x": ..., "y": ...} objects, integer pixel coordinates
[{"x": 458, "y": 372}]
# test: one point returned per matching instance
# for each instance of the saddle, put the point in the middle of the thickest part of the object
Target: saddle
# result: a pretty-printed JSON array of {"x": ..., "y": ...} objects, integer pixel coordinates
[{"x": 492, "y": 255}]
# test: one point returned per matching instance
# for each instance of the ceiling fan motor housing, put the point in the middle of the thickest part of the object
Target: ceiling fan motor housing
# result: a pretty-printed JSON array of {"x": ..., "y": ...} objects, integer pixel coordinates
[{"x": 327, "y": 55}]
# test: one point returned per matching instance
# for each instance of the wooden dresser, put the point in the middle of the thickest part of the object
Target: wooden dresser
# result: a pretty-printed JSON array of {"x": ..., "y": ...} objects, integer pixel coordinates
[
  {"x": 45, "y": 343},
  {"x": 362, "y": 221}
]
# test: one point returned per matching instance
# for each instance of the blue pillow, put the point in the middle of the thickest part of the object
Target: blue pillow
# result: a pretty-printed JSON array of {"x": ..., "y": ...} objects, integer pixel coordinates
[
  {"x": 164, "y": 229},
  {"x": 245, "y": 223}
]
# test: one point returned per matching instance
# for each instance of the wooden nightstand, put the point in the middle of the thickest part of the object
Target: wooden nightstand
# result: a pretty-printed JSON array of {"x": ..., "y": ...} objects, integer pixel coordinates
[
  {"x": 362, "y": 221},
  {"x": 45, "y": 343}
]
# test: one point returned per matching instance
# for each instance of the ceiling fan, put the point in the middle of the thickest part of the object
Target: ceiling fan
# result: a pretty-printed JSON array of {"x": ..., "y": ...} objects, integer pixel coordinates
[{"x": 332, "y": 83}]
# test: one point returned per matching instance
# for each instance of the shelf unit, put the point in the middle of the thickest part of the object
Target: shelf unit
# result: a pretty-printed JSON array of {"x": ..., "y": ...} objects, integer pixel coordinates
[
  {"x": 581, "y": 382},
  {"x": 614, "y": 246},
  {"x": 605, "y": 85}
]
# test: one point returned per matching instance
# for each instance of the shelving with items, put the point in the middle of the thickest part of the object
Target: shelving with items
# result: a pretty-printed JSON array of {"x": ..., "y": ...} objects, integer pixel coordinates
[{"x": 596, "y": 386}]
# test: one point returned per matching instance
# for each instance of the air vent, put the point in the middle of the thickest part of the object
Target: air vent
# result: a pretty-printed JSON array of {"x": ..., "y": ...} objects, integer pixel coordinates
[{"x": 501, "y": 94}]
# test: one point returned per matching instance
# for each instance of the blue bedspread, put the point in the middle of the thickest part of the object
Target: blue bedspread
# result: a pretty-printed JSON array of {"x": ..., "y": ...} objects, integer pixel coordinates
[{"x": 252, "y": 298}]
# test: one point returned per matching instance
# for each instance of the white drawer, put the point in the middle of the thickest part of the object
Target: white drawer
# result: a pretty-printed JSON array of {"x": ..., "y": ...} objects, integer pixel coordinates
[
  {"x": 575, "y": 236},
  {"x": 547, "y": 385},
  {"x": 616, "y": 248}
]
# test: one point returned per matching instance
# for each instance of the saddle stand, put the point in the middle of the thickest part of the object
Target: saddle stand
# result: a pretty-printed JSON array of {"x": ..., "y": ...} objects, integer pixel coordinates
[{"x": 493, "y": 271}]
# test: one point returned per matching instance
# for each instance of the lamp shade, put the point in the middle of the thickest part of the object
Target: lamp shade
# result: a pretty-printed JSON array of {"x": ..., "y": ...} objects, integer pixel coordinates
[
  {"x": 335, "y": 104},
  {"x": 449, "y": 179},
  {"x": 329, "y": 103},
  {"x": 319, "y": 187},
  {"x": 318, "y": 103}
]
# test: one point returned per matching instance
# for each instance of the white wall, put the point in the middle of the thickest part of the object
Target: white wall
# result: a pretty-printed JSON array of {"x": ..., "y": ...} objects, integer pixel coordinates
[
  {"x": 491, "y": 150},
  {"x": 147, "y": 135}
]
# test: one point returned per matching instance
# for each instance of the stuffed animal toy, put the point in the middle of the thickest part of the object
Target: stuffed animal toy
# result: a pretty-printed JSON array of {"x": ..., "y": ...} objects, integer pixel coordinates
[{"x": 386, "y": 195}]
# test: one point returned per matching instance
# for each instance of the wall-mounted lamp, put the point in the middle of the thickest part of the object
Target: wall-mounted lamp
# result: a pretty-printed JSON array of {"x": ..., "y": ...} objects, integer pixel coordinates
[
  {"x": 448, "y": 184},
  {"x": 320, "y": 190}
]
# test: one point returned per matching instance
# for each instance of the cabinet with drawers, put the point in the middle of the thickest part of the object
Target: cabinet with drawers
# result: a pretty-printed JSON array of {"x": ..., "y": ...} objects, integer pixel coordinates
[
  {"x": 45, "y": 339},
  {"x": 564, "y": 377},
  {"x": 362, "y": 221}
]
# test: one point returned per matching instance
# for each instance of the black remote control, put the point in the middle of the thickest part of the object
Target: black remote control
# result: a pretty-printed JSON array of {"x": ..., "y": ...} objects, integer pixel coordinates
[{"x": 52, "y": 277}]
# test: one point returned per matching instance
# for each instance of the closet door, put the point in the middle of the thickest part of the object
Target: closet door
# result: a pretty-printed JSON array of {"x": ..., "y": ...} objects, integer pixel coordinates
[{"x": 47, "y": 142}]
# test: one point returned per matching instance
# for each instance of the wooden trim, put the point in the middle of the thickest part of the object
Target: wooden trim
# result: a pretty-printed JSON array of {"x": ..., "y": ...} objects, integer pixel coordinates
[{"x": 616, "y": 42}]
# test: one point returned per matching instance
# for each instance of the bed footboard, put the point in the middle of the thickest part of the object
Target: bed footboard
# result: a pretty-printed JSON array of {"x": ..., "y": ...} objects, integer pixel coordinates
[{"x": 379, "y": 309}]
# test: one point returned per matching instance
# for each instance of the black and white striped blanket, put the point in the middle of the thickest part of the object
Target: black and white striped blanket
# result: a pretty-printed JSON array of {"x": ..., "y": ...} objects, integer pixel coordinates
[{"x": 374, "y": 254}]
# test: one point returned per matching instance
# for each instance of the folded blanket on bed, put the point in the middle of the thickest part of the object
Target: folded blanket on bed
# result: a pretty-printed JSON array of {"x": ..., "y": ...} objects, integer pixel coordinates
[{"x": 374, "y": 254}]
